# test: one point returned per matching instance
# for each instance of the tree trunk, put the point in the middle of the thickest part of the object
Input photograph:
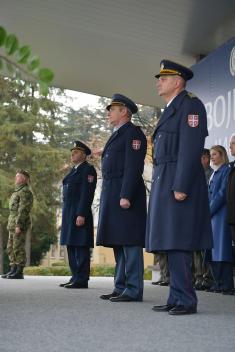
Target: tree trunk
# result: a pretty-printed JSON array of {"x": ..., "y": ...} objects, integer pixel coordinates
[{"x": 28, "y": 246}]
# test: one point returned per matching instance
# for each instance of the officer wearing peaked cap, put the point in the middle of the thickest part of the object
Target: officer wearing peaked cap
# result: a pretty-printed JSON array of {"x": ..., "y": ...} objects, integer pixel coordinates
[
  {"x": 179, "y": 219},
  {"x": 122, "y": 215},
  {"x": 77, "y": 221}
]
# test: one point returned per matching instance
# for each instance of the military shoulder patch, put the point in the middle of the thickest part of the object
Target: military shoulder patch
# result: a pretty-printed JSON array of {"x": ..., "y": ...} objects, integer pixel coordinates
[
  {"x": 193, "y": 120},
  {"x": 90, "y": 178},
  {"x": 191, "y": 95},
  {"x": 136, "y": 144}
]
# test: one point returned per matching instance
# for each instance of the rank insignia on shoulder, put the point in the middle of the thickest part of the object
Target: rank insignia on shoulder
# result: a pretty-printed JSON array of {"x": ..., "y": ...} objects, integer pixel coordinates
[
  {"x": 90, "y": 178},
  {"x": 136, "y": 143},
  {"x": 192, "y": 95},
  {"x": 193, "y": 120}
]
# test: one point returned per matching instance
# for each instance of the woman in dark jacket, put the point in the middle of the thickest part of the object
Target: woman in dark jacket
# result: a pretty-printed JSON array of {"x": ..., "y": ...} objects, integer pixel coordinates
[{"x": 221, "y": 254}]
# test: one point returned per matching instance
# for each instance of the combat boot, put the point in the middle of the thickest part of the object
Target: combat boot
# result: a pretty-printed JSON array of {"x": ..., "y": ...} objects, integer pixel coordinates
[
  {"x": 18, "y": 274},
  {"x": 12, "y": 271}
]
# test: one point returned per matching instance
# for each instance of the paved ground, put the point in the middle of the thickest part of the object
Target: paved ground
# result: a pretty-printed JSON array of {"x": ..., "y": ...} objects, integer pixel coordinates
[{"x": 38, "y": 316}]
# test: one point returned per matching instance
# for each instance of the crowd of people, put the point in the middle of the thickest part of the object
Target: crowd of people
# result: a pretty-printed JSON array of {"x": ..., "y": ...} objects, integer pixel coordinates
[{"x": 191, "y": 212}]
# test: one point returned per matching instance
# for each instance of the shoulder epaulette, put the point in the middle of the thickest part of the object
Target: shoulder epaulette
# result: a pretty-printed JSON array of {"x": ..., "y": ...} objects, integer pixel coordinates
[{"x": 191, "y": 95}]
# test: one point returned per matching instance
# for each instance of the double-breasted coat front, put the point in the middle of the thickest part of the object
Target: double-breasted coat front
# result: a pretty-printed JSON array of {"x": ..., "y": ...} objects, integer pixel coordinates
[
  {"x": 178, "y": 146},
  {"x": 122, "y": 168},
  {"x": 78, "y": 193},
  {"x": 222, "y": 238}
]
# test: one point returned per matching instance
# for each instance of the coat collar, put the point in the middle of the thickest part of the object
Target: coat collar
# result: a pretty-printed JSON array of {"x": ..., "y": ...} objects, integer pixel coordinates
[
  {"x": 232, "y": 164},
  {"x": 171, "y": 109},
  {"x": 117, "y": 133},
  {"x": 74, "y": 171},
  {"x": 221, "y": 168}
]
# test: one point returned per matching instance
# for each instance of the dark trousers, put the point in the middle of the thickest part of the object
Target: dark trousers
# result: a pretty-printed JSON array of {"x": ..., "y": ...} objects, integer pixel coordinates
[
  {"x": 232, "y": 227},
  {"x": 129, "y": 271},
  {"x": 181, "y": 286},
  {"x": 79, "y": 263},
  {"x": 223, "y": 275}
]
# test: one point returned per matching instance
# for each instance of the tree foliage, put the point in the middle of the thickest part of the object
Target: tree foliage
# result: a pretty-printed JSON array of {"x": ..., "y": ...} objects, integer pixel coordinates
[
  {"x": 28, "y": 141},
  {"x": 19, "y": 62}
]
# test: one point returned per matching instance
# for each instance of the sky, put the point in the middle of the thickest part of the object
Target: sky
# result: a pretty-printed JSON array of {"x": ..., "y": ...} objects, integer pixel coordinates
[{"x": 79, "y": 99}]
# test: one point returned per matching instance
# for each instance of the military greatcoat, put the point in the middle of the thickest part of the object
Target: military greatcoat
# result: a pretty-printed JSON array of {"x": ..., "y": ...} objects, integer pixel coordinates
[
  {"x": 78, "y": 193},
  {"x": 122, "y": 168},
  {"x": 178, "y": 145}
]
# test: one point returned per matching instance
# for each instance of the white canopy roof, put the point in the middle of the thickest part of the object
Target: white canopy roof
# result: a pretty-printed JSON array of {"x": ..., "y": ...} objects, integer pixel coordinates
[{"x": 106, "y": 46}]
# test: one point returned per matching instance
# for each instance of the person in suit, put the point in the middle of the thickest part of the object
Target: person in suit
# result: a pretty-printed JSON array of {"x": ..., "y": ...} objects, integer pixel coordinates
[
  {"x": 221, "y": 256},
  {"x": 201, "y": 270},
  {"x": 231, "y": 191},
  {"x": 178, "y": 221},
  {"x": 205, "y": 159},
  {"x": 122, "y": 214},
  {"x": 77, "y": 231}
]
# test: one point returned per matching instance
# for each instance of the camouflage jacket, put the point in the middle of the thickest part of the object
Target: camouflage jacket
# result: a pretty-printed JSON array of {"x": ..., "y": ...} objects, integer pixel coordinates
[{"x": 20, "y": 205}]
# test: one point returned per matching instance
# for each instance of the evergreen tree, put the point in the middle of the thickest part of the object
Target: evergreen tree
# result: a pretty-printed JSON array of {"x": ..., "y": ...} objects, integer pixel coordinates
[{"x": 28, "y": 141}]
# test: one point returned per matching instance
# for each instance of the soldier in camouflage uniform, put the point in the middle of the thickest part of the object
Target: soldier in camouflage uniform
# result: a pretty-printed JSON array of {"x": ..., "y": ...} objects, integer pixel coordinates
[{"x": 20, "y": 205}]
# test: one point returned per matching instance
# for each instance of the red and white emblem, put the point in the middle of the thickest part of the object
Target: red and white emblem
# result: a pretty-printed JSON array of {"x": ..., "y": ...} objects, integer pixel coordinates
[
  {"x": 193, "y": 120},
  {"x": 136, "y": 143},
  {"x": 90, "y": 178}
]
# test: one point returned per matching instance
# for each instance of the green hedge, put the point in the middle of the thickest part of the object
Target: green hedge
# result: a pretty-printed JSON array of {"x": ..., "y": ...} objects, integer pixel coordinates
[{"x": 63, "y": 270}]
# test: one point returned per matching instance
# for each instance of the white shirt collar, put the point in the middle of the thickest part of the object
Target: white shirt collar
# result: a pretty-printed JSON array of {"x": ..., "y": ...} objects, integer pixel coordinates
[
  {"x": 170, "y": 101},
  {"x": 76, "y": 166}
]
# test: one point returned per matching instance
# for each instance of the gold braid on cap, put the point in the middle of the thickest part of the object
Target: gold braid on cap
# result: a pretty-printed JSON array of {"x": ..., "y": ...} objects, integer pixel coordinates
[
  {"x": 117, "y": 103},
  {"x": 169, "y": 72}
]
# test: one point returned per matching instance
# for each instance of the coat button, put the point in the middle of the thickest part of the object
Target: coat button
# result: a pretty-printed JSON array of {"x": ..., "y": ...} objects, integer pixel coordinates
[{"x": 159, "y": 136}]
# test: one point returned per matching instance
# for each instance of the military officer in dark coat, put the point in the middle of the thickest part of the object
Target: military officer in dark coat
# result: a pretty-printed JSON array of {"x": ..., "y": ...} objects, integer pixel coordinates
[
  {"x": 77, "y": 220},
  {"x": 231, "y": 191},
  {"x": 179, "y": 219},
  {"x": 122, "y": 215}
]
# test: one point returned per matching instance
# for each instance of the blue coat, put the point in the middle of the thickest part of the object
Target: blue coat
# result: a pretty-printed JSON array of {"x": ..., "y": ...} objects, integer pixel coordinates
[
  {"x": 222, "y": 238},
  {"x": 231, "y": 194},
  {"x": 78, "y": 193},
  {"x": 122, "y": 168},
  {"x": 178, "y": 145}
]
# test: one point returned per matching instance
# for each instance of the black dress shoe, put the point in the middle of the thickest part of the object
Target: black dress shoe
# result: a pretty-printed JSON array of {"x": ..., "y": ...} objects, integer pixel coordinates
[
  {"x": 213, "y": 290},
  {"x": 125, "y": 298},
  {"x": 66, "y": 283},
  {"x": 163, "y": 308},
  {"x": 156, "y": 282},
  {"x": 199, "y": 286},
  {"x": 164, "y": 283},
  {"x": 77, "y": 285},
  {"x": 110, "y": 295},
  {"x": 228, "y": 292},
  {"x": 182, "y": 310}
]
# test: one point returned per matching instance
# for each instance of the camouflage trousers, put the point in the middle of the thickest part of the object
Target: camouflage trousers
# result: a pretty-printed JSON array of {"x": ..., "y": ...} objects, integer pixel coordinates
[
  {"x": 161, "y": 258},
  {"x": 16, "y": 248},
  {"x": 200, "y": 270}
]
